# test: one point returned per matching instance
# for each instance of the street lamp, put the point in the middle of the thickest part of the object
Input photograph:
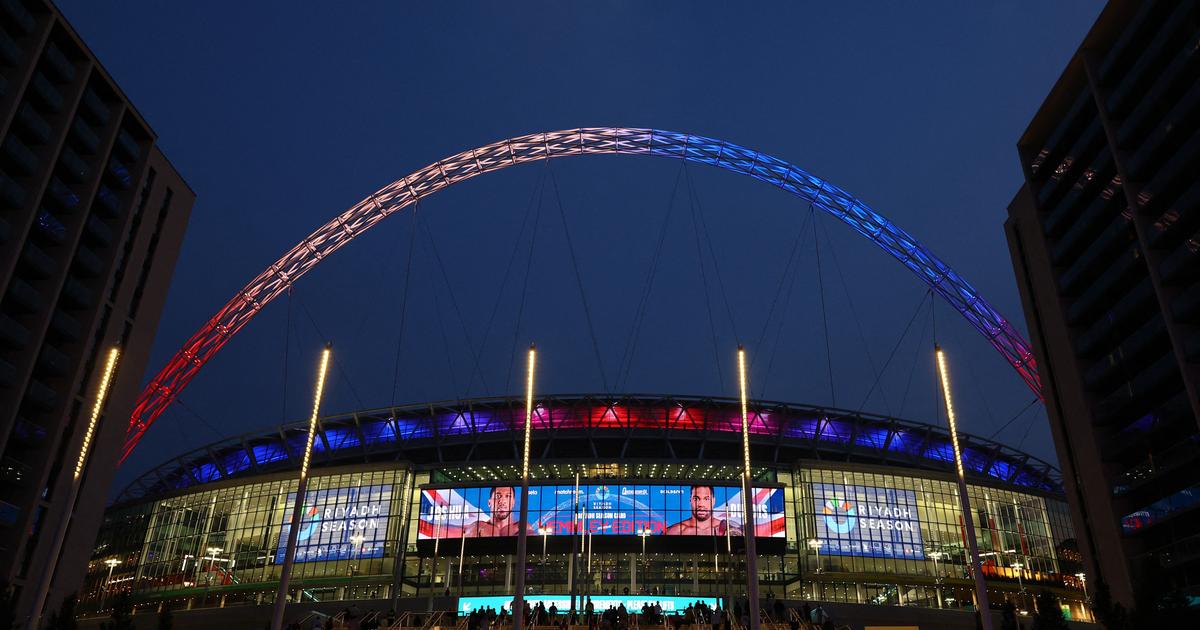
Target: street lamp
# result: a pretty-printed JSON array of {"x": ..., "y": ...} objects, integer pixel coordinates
[
  {"x": 937, "y": 575},
  {"x": 112, "y": 564},
  {"x": 356, "y": 542},
  {"x": 981, "y": 595},
  {"x": 815, "y": 544},
  {"x": 748, "y": 527}
]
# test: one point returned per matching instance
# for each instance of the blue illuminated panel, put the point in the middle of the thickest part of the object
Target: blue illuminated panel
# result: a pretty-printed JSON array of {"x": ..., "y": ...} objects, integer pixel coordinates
[
  {"x": 867, "y": 521},
  {"x": 330, "y": 517}
]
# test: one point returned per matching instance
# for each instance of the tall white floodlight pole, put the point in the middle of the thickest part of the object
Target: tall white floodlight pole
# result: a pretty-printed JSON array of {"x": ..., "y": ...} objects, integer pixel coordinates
[
  {"x": 748, "y": 499},
  {"x": 985, "y": 612},
  {"x": 60, "y": 532},
  {"x": 289, "y": 557},
  {"x": 519, "y": 600}
]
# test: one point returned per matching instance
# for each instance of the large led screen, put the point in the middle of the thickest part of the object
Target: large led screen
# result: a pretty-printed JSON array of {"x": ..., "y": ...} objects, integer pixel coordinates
[
  {"x": 612, "y": 509},
  {"x": 633, "y": 603},
  {"x": 867, "y": 521},
  {"x": 331, "y": 517}
]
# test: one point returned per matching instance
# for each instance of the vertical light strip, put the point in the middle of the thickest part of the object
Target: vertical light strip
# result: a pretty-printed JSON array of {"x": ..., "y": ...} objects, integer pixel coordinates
[
  {"x": 528, "y": 411},
  {"x": 110, "y": 366},
  {"x": 316, "y": 409},
  {"x": 745, "y": 413},
  {"x": 944, "y": 374}
]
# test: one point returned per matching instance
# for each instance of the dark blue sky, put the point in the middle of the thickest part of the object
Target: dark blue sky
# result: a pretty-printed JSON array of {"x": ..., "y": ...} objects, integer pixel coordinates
[{"x": 282, "y": 114}]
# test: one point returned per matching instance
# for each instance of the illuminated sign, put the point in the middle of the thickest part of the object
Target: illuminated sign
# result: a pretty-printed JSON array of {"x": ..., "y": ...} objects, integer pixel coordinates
[
  {"x": 633, "y": 603},
  {"x": 333, "y": 521},
  {"x": 600, "y": 509},
  {"x": 867, "y": 521}
]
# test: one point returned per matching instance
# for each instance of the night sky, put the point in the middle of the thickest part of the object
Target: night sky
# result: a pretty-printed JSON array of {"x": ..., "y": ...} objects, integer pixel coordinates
[{"x": 281, "y": 115}]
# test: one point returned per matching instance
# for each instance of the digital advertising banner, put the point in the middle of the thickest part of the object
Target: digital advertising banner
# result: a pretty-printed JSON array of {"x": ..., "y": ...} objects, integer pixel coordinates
[
  {"x": 867, "y": 521},
  {"x": 331, "y": 517},
  {"x": 600, "y": 603},
  {"x": 603, "y": 509}
]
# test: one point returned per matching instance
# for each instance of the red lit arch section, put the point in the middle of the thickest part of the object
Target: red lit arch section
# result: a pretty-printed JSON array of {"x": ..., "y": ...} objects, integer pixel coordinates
[{"x": 221, "y": 327}]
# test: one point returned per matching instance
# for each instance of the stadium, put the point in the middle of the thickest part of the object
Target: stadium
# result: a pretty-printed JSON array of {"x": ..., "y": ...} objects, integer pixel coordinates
[{"x": 633, "y": 497}]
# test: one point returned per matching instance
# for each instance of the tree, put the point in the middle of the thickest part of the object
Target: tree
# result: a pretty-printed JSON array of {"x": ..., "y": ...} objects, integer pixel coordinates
[
  {"x": 166, "y": 621},
  {"x": 1008, "y": 617},
  {"x": 1048, "y": 616},
  {"x": 1112, "y": 615},
  {"x": 122, "y": 614},
  {"x": 64, "y": 617},
  {"x": 8, "y": 604}
]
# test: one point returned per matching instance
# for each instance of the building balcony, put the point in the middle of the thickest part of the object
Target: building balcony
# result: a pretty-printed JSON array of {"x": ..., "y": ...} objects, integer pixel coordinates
[
  {"x": 107, "y": 202},
  {"x": 1187, "y": 305},
  {"x": 84, "y": 136},
  {"x": 28, "y": 433},
  {"x": 12, "y": 334},
  {"x": 1117, "y": 235},
  {"x": 58, "y": 63},
  {"x": 41, "y": 395},
  {"x": 24, "y": 296},
  {"x": 76, "y": 294},
  {"x": 8, "y": 374},
  {"x": 15, "y": 472},
  {"x": 87, "y": 262},
  {"x": 1129, "y": 356},
  {"x": 1183, "y": 264},
  {"x": 66, "y": 326},
  {"x": 1124, "y": 269},
  {"x": 11, "y": 193},
  {"x": 10, "y": 51},
  {"x": 19, "y": 155},
  {"x": 50, "y": 228},
  {"x": 45, "y": 93},
  {"x": 62, "y": 194},
  {"x": 32, "y": 125},
  {"x": 54, "y": 362},
  {"x": 20, "y": 17},
  {"x": 73, "y": 165},
  {"x": 37, "y": 261},
  {"x": 99, "y": 233},
  {"x": 128, "y": 146},
  {"x": 95, "y": 108}
]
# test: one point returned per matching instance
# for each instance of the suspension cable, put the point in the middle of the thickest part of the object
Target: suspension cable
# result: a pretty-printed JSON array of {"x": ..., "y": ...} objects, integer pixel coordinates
[
  {"x": 500, "y": 293},
  {"x": 625, "y": 366},
  {"x": 1012, "y": 419},
  {"x": 837, "y": 267},
  {"x": 453, "y": 301},
  {"x": 787, "y": 300},
  {"x": 412, "y": 243},
  {"x": 713, "y": 254},
  {"x": 537, "y": 214},
  {"x": 916, "y": 357},
  {"x": 793, "y": 257},
  {"x": 587, "y": 313},
  {"x": 879, "y": 375},
  {"x": 824, "y": 318},
  {"x": 341, "y": 368},
  {"x": 712, "y": 328},
  {"x": 287, "y": 342}
]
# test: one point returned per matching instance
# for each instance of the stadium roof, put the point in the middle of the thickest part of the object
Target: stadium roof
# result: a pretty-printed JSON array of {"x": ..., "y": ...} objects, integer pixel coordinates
[{"x": 596, "y": 427}]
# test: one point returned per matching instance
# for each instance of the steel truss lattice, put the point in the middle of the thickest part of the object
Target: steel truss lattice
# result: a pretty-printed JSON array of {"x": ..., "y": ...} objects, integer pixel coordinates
[{"x": 221, "y": 327}]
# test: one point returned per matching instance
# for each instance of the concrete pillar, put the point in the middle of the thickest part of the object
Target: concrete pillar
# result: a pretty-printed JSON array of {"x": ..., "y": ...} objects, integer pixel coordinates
[
  {"x": 859, "y": 594},
  {"x": 632, "y": 573},
  {"x": 900, "y": 594},
  {"x": 696, "y": 575},
  {"x": 508, "y": 574}
]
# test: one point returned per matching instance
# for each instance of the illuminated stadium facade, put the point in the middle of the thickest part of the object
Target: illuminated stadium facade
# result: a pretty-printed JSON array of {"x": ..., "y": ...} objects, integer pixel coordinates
[{"x": 415, "y": 502}]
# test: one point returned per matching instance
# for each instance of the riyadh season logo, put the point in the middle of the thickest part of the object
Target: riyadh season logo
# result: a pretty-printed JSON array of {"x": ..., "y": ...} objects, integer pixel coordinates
[
  {"x": 313, "y": 516},
  {"x": 841, "y": 516},
  {"x": 602, "y": 492}
]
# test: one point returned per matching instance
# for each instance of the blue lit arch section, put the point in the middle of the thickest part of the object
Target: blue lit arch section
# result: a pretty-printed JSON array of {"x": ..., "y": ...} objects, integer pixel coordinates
[
  {"x": 474, "y": 432},
  {"x": 272, "y": 282}
]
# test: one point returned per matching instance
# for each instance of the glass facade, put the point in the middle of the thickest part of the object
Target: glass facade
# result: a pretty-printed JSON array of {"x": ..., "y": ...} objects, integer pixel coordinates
[{"x": 863, "y": 534}]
